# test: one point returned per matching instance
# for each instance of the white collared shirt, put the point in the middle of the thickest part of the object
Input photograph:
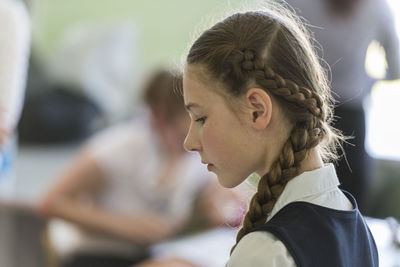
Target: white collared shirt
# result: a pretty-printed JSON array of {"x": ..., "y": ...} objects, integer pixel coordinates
[{"x": 261, "y": 248}]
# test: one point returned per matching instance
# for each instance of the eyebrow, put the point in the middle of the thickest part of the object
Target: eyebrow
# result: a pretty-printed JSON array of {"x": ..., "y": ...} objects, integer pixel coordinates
[{"x": 191, "y": 105}]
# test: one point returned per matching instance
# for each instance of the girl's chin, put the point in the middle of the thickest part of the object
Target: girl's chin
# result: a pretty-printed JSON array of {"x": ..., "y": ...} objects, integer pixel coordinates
[{"x": 227, "y": 181}]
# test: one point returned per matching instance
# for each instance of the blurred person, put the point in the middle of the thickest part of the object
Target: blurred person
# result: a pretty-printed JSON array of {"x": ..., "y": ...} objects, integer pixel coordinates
[
  {"x": 14, "y": 50},
  {"x": 345, "y": 29},
  {"x": 134, "y": 185}
]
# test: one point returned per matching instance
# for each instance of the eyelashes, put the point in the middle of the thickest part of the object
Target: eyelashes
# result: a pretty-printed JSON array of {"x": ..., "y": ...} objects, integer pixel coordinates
[{"x": 201, "y": 120}]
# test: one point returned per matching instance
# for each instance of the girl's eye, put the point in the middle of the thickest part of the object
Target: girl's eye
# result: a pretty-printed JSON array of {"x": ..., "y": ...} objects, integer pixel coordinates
[{"x": 202, "y": 120}]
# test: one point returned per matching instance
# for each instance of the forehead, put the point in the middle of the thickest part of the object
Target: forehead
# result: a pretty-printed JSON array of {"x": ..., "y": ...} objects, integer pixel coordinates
[{"x": 197, "y": 89}]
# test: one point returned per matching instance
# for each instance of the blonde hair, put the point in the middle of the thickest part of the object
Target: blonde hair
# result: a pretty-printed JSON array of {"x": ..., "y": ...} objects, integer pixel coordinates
[{"x": 272, "y": 49}]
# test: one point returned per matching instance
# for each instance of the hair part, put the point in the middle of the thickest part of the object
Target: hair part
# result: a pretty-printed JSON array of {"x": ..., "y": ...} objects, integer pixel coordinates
[{"x": 271, "y": 49}]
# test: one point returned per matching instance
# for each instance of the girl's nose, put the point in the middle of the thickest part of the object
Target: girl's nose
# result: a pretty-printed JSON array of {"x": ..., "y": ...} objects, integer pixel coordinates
[{"x": 191, "y": 143}]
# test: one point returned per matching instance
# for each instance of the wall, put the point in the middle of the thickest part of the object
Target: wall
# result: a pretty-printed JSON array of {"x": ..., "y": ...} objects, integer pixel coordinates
[{"x": 165, "y": 27}]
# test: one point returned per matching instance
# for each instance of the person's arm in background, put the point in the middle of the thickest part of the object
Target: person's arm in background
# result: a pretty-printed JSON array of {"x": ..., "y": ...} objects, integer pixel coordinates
[
  {"x": 221, "y": 206},
  {"x": 218, "y": 206},
  {"x": 389, "y": 39},
  {"x": 65, "y": 200},
  {"x": 14, "y": 56}
]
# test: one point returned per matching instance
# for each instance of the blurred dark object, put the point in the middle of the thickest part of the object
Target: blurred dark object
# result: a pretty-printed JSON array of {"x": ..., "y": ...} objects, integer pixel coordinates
[
  {"x": 386, "y": 193},
  {"x": 87, "y": 260},
  {"x": 21, "y": 237},
  {"x": 353, "y": 169},
  {"x": 58, "y": 115},
  {"x": 342, "y": 7},
  {"x": 54, "y": 112}
]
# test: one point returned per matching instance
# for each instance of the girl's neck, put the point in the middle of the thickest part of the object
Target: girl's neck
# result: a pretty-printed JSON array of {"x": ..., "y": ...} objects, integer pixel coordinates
[{"x": 312, "y": 162}]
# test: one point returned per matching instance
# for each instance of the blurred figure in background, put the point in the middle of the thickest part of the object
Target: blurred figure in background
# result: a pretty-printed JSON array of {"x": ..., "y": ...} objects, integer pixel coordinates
[
  {"x": 134, "y": 185},
  {"x": 14, "y": 54},
  {"x": 345, "y": 29}
]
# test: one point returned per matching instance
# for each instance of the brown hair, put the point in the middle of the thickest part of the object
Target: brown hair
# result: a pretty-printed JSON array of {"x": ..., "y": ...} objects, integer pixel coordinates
[
  {"x": 272, "y": 50},
  {"x": 160, "y": 96}
]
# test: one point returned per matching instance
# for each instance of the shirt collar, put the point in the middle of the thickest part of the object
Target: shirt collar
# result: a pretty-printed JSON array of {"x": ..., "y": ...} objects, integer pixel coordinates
[{"x": 307, "y": 184}]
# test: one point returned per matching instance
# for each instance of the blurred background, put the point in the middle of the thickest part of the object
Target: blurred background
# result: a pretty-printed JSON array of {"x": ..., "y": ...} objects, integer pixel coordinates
[
  {"x": 88, "y": 63},
  {"x": 105, "y": 50}
]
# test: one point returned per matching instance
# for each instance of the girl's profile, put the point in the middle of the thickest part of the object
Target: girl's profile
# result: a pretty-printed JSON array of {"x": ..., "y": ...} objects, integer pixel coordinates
[{"x": 259, "y": 102}]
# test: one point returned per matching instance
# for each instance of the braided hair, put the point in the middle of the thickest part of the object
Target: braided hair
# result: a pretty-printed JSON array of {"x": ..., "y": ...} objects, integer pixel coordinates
[{"x": 272, "y": 50}]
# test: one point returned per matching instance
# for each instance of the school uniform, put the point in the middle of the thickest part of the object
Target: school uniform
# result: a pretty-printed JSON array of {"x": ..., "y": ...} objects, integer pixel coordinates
[{"x": 312, "y": 197}]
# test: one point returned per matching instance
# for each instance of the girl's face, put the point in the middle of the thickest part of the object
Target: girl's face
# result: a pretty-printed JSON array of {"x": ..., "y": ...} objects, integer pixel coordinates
[{"x": 223, "y": 138}]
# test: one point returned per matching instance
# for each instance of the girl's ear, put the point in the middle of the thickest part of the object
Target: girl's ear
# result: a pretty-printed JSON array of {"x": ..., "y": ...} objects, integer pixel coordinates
[{"x": 260, "y": 105}]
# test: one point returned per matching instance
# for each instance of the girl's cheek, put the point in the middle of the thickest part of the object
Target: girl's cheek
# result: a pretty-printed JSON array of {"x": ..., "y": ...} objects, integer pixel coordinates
[{"x": 209, "y": 138}]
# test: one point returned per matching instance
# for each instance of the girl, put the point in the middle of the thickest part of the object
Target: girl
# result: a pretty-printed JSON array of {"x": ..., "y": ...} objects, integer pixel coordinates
[{"x": 259, "y": 102}]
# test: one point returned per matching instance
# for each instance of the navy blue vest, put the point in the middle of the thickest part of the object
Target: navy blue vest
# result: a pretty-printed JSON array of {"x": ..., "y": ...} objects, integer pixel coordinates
[{"x": 317, "y": 236}]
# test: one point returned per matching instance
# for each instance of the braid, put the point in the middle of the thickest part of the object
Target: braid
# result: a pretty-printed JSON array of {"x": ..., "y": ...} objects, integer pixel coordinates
[
  {"x": 261, "y": 48},
  {"x": 286, "y": 89},
  {"x": 307, "y": 132}
]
